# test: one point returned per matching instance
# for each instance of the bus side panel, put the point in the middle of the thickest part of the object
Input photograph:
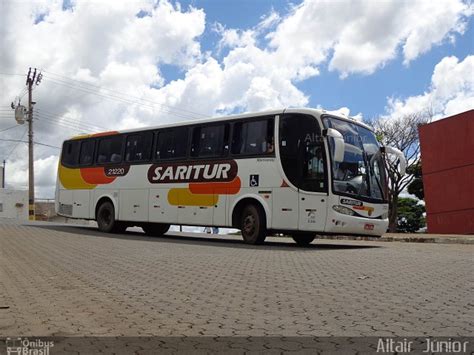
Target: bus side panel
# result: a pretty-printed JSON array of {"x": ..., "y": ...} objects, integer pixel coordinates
[
  {"x": 134, "y": 205},
  {"x": 81, "y": 203},
  {"x": 285, "y": 208},
  {"x": 195, "y": 215},
  {"x": 219, "y": 218},
  {"x": 160, "y": 211},
  {"x": 258, "y": 176}
]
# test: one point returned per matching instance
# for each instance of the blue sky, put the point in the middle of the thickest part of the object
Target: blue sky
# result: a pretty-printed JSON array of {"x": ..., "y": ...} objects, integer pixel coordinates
[{"x": 362, "y": 93}]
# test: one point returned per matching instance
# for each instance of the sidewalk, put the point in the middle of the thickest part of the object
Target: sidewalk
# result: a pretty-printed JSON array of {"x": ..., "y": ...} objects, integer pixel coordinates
[{"x": 410, "y": 238}]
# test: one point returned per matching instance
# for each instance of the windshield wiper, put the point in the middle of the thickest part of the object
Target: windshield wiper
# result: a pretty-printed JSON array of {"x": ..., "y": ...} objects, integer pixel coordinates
[
  {"x": 373, "y": 173},
  {"x": 367, "y": 167}
]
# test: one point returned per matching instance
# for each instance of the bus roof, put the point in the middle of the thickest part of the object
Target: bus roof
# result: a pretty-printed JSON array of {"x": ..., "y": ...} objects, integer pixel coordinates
[{"x": 310, "y": 111}]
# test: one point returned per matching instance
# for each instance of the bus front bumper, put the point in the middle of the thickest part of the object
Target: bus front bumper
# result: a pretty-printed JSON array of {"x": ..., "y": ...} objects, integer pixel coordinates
[{"x": 343, "y": 224}]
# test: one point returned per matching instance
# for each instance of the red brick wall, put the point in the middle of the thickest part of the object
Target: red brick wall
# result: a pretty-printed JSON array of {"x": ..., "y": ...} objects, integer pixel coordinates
[{"x": 447, "y": 153}]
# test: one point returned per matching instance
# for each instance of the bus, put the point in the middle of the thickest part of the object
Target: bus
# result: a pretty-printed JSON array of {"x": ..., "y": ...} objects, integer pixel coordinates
[{"x": 301, "y": 172}]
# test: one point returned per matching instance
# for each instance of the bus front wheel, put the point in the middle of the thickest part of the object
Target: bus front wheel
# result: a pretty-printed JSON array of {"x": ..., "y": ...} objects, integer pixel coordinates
[
  {"x": 106, "y": 219},
  {"x": 253, "y": 225},
  {"x": 303, "y": 240},
  {"x": 155, "y": 229}
]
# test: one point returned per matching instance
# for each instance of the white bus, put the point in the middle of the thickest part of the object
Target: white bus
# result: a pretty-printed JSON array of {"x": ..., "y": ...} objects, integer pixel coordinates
[{"x": 300, "y": 172}]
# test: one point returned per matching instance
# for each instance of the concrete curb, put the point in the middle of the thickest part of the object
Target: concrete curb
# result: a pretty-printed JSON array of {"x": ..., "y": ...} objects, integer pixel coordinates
[{"x": 409, "y": 238}]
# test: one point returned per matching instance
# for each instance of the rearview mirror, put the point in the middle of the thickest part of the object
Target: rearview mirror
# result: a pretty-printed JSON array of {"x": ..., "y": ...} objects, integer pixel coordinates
[
  {"x": 401, "y": 158},
  {"x": 339, "y": 144}
]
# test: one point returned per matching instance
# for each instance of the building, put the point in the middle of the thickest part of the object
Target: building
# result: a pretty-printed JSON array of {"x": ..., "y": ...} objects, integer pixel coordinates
[
  {"x": 14, "y": 204},
  {"x": 447, "y": 155}
]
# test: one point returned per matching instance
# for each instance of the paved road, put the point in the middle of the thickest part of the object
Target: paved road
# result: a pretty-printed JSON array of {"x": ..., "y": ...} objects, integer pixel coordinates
[{"x": 59, "y": 280}]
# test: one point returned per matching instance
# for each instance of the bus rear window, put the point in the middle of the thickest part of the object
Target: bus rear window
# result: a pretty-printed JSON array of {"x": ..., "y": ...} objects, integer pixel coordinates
[
  {"x": 87, "y": 152},
  {"x": 70, "y": 153}
]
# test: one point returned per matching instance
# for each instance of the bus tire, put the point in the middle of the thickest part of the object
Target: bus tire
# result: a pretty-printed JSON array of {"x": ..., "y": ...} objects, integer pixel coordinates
[
  {"x": 155, "y": 229},
  {"x": 303, "y": 240},
  {"x": 106, "y": 219},
  {"x": 253, "y": 224}
]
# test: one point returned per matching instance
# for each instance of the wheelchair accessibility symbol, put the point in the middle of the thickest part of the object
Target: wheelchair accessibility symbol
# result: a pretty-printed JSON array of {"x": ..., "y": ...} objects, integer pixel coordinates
[{"x": 253, "y": 180}]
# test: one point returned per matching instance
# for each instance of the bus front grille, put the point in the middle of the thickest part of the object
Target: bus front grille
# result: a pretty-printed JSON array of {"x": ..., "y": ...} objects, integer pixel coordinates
[{"x": 65, "y": 209}]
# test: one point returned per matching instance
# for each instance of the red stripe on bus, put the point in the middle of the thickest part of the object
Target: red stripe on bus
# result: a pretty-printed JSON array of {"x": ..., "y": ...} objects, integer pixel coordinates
[{"x": 218, "y": 188}]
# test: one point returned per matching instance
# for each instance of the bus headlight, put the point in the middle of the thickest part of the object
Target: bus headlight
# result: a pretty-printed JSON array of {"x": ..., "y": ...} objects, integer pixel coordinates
[{"x": 343, "y": 210}]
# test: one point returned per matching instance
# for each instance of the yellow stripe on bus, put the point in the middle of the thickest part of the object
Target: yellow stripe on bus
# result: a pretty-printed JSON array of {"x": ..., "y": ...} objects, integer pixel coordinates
[
  {"x": 72, "y": 179},
  {"x": 184, "y": 197}
]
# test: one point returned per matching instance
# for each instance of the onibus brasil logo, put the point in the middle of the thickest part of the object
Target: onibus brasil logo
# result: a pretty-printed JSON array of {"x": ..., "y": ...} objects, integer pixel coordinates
[{"x": 25, "y": 346}]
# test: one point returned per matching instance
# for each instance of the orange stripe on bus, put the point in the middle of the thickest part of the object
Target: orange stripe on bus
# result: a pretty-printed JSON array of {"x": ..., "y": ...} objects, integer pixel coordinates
[
  {"x": 96, "y": 176},
  {"x": 109, "y": 133},
  {"x": 224, "y": 188}
]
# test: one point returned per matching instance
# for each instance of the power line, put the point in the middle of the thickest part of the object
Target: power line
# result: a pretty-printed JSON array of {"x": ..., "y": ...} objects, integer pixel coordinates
[
  {"x": 70, "y": 119},
  {"x": 119, "y": 99},
  {"x": 12, "y": 74},
  {"x": 22, "y": 141},
  {"x": 64, "y": 122},
  {"x": 16, "y": 145},
  {"x": 6, "y": 129},
  {"x": 89, "y": 85},
  {"x": 137, "y": 101},
  {"x": 55, "y": 123},
  {"x": 67, "y": 124}
]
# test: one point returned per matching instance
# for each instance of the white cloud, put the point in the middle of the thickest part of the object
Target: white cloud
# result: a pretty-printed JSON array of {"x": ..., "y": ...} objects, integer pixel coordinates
[
  {"x": 45, "y": 175},
  {"x": 451, "y": 91},
  {"x": 345, "y": 111},
  {"x": 364, "y": 35}
]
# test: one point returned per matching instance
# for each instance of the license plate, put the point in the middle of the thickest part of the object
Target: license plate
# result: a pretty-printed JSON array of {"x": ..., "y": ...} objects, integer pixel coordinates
[{"x": 369, "y": 227}]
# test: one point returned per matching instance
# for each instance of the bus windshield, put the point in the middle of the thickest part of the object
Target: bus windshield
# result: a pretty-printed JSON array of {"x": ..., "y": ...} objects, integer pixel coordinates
[{"x": 361, "y": 173}]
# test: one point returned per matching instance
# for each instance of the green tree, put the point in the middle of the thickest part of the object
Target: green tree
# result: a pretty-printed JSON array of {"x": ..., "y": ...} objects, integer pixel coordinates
[
  {"x": 410, "y": 215},
  {"x": 416, "y": 186}
]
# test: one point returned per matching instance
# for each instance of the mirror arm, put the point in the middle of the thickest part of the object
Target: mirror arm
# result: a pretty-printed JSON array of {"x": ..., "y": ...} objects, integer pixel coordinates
[{"x": 401, "y": 157}]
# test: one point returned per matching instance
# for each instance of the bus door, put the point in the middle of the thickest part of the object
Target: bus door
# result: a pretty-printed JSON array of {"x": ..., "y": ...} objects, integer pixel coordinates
[
  {"x": 313, "y": 186},
  {"x": 303, "y": 161}
]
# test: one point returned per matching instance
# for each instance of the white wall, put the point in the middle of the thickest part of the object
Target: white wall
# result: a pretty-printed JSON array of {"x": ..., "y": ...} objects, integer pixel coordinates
[{"x": 14, "y": 204}]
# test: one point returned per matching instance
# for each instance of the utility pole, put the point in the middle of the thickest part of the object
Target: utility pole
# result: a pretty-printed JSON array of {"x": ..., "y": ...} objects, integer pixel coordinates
[
  {"x": 3, "y": 174},
  {"x": 30, "y": 81}
]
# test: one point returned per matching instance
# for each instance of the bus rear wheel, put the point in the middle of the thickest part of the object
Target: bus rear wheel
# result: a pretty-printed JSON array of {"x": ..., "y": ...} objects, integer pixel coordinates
[
  {"x": 253, "y": 225},
  {"x": 303, "y": 240},
  {"x": 155, "y": 229},
  {"x": 106, "y": 219}
]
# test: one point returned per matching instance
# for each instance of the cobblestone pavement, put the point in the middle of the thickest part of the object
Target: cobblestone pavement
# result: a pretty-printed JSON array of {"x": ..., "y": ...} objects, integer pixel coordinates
[{"x": 63, "y": 281}]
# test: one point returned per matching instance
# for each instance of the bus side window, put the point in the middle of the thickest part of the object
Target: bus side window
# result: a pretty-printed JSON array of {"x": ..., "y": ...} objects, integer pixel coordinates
[
  {"x": 253, "y": 137},
  {"x": 138, "y": 147},
  {"x": 87, "y": 152},
  {"x": 70, "y": 153},
  {"x": 172, "y": 143},
  {"x": 110, "y": 150},
  {"x": 210, "y": 141}
]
